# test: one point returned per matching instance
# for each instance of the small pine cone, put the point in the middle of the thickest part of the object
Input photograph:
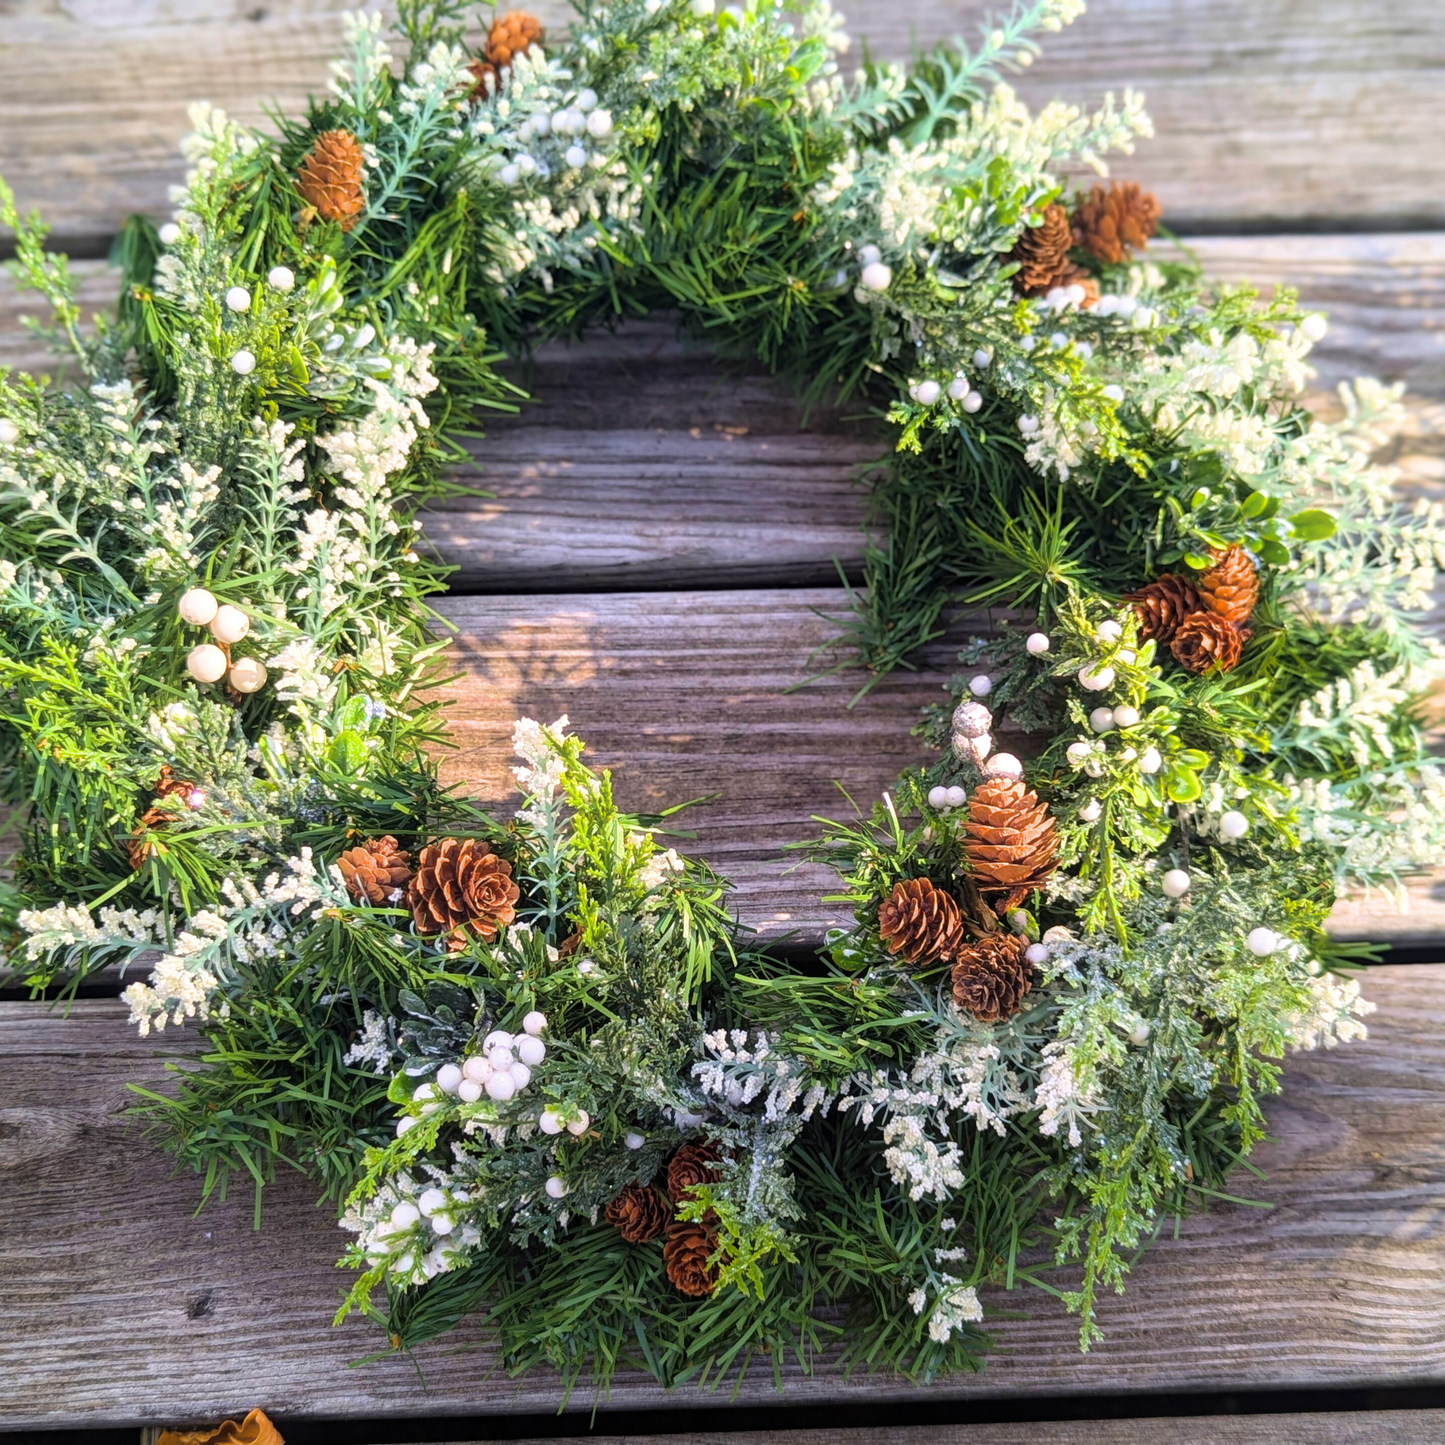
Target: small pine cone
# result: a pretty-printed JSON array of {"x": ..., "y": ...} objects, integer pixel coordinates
[
  {"x": 461, "y": 883},
  {"x": 692, "y": 1164},
  {"x": 638, "y": 1214},
  {"x": 168, "y": 784},
  {"x": 377, "y": 872},
  {"x": 1042, "y": 252},
  {"x": 1230, "y": 588},
  {"x": 1205, "y": 642},
  {"x": 511, "y": 34},
  {"x": 1161, "y": 605},
  {"x": 138, "y": 847},
  {"x": 689, "y": 1247},
  {"x": 330, "y": 178},
  {"x": 920, "y": 921},
  {"x": 1010, "y": 840},
  {"x": 991, "y": 976},
  {"x": 1111, "y": 223}
]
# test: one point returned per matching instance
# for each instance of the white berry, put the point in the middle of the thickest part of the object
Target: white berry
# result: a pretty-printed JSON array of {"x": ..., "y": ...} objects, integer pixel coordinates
[
  {"x": 477, "y": 1069},
  {"x": 206, "y": 663},
  {"x": 449, "y": 1078},
  {"x": 1003, "y": 765},
  {"x": 469, "y": 1091},
  {"x": 981, "y": 685},
  {"x": 1101, "y": 719},
  {"x": 238, "y": 299},
  {"x": 442, "y": 1223},
  {"x": 1091, "y": 811},
  {"x": 169, "y": 234},
  {"x": 973, "y": 401},
  {"x": 197, "y": 606},
  {"x": 926, "y": 392},
  {"x": 534, "y": 1023},
  {"x": 1125, "y": 716},
  {"x": 1028, "y": 425},
  {"x": 1038, "y": 643},
  {"x": 1262, "y": 941},
  {"x": 501, "y": 1087},
  {"x": 576, "y": 157},
  {"x": 958, "y": 388},
  {"x": 1233, "y": 824},
  {"x": 1114, "y": 393},
  {"x": 243, "y": 363},
  {"x": 1079, "y": 751},
  {"x": 9, "y": 432},
  {"x": 431, "y": 1201},
  {"x": 976, "y": 748},
  {"x": 599, "y": 124},
  {"x": 248, "y": 675},
  {"x": 1150, "y": 761},
  {"x": 1139, "y": 1034},
  {"x": 281, "y": 278},
  {"x": 868, "y": 254},
  {"x": 556, "y": 1187},
  {"x": 634, "y": 1140},
  {"x": 580, "y": 1124},
  {"x": 497, "y": 1039},
  {"x": 549, "y": 1123},
  {"x": 405, "y": 1214},
  {"x": 521, "y": 1076},
  {"x": 529, "y": 1050},
  {"x": 1037, "y": 954},
  {"x": 406, "y": 1122},
  {"x": 1314, "y": 326},
  {"x": 956, "y": 796},
  {"x": 500, "y": 1059},
  {"x": 1108, "y": 631},
  {"x": 982, "y": 357},
  {"x": 1175, "y": 883},
  {"x": 972, "y": 719},
  {"x": 938, "y": 797},
  {"x": 1096, "y": 679},
  {"x": 877, "y": 277},
  {"x": 229, "y": 624}
]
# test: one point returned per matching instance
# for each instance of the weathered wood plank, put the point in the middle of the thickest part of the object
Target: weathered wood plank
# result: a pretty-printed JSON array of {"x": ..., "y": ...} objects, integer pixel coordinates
[
  {"x": 1303, "y": 111},
  {"x": 1377, "y": 1427},
  {"x": 123, "y": 1307}
]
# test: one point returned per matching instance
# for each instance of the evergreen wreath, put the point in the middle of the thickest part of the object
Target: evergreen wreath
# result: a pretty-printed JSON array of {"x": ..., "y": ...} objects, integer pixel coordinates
[{"x": 532, "y": 1059}]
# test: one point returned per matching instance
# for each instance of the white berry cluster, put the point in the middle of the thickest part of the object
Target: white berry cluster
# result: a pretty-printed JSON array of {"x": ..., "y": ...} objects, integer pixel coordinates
[{"x": 208, "y": 662}]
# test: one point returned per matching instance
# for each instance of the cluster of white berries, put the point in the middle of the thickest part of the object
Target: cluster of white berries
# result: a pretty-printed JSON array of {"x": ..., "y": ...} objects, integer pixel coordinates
[
  {"x": 1127, "y": 308},
  {"x": 875, "y": 275},
  {"x": 925, "y": 393},
  {"x": 1175, "y": 882},
  {"x": 973, "y": 741},
  {"x": 238, "y": 299},
  {"x": 581, "y": 119},
  {"x": 434, "y": 1205},
  {"x": 208, "y": 663},
  {"x": 501, "y": 1071}
]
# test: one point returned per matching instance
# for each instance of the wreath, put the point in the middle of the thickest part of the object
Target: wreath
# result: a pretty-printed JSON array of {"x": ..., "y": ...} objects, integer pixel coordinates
[{"x": 533, "y": 1061}]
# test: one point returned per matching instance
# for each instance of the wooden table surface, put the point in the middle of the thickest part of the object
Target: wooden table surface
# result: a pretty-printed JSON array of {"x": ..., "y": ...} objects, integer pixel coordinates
[{"x": 662, "y": 570}]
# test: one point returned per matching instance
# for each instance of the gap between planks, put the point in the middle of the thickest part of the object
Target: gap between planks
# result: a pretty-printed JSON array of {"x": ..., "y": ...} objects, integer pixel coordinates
[{"x": 124, "y": 1306}]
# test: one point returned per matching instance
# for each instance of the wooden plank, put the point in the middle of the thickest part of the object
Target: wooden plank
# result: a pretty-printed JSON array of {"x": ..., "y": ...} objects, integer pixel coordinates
[
  {"x": 1302, "y": 111},
  {"x": 126, "y": 1308},
  {"x": 1375, "y": 1427}
]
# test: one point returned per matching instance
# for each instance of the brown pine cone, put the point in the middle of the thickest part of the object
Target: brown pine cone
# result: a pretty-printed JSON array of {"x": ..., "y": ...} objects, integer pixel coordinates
[
  {"x": 511, "y": 34},
  {"x": 1205, "y": 642},
  {"x": 1161, "y": 605},
  {"x": 1111, "y": 223},
  {"x": 168, "y": 784},
  {"x": 638, "y": 1214},
  {"x": 378, "y": 871},
  {"x": 460, "y": 883},
  {"x": 991, "y": 976},
  {"x": 920, "y": 921},
  {"x": 1042, "y": 252},
  {"x": 1010, "y": 840},
  {"x": 1230, "y": 588},
  {"x": 330, "y": 178},
  {"x": 138, "y": 847},
  {"x": 689, "y": 1247},
  {"x": 691, "y": 1164}
]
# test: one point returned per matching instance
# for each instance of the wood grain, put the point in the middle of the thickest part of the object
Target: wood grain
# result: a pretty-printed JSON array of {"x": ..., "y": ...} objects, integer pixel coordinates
[
  {"x": 1300, "y": 112},
  {"x": 125, "y": 1307}
]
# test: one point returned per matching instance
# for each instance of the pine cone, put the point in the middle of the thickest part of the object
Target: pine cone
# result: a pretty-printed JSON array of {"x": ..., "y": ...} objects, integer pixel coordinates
[
  {"x": 1205, "y": 642},
  {"x": 511, "y": 34},
  {"x": 1161, "y": 605},
  {"x": 991, "y": 976},
  {"x": 1010, "y": 840},
  {"x": 168, "y": 784},
  {"x": 1230, "y": 588},
  {"x": 460, "y": 883},
  {"x": 1111, "y": 223},
  {"x": 692, "y": 1164},
  {"x": 689, "y": 1247},
  {"x": 638, "y": 1214},
  {"x": 920, "y": 921},
  {"x": 378, "y": 871},
  {"x": 138, "y": 847},
  {"x": 330, "y": 178},
  {"x": 1042, "y": 252}
]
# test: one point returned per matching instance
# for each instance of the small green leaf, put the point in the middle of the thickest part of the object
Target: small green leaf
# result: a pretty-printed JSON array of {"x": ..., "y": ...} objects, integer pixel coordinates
[
  {"x": 1273, "y": 552},
  {"x": 1192, "y": 758},
  {"x": 1313, "y": 525},
  {"x": 1184, "y": 785},
  {"x": 1254, "y": 504}
]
